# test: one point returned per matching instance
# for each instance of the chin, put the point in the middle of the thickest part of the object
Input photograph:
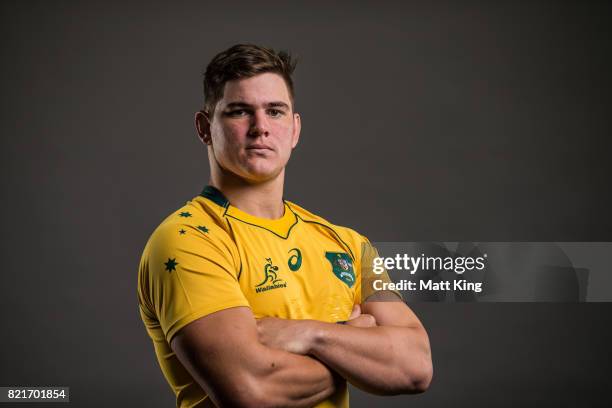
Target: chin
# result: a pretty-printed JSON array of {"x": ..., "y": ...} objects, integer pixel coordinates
[{"x": 260, "y": 175}]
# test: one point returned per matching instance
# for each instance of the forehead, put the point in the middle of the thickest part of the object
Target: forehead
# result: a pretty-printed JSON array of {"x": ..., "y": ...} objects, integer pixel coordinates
[{"x": 257, "y": 90}]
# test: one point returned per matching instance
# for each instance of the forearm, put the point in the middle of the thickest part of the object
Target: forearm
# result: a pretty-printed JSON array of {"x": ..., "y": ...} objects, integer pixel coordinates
[
  {"x": 222, "y": 353},
  {"x": 291, "y": 380},
  {"x": 380, "y": 359}
]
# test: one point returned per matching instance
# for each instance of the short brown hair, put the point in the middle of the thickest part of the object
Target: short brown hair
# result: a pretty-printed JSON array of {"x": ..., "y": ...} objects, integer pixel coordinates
[{"x": 244, "y": 61}]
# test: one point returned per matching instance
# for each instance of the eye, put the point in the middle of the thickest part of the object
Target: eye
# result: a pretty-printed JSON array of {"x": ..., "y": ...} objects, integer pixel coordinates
[
  {"x": 237, "y": 112},
  {"x": 275, "y": 113}
]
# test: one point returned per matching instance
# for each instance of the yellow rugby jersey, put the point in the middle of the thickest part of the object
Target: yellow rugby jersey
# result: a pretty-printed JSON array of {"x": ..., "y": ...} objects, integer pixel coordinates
[{"x": 209, "y": 256}]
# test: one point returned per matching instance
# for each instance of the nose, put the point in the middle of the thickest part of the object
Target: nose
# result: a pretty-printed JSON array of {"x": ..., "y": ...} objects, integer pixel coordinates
[{"x": 259, "y": 124}]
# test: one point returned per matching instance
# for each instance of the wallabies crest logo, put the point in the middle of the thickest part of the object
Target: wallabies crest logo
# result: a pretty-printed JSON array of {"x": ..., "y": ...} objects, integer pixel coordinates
[{"x": 271, "y": 279}]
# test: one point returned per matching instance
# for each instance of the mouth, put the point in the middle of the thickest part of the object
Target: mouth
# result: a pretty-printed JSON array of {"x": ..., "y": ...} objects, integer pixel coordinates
[{"x": 259, "y": 147}]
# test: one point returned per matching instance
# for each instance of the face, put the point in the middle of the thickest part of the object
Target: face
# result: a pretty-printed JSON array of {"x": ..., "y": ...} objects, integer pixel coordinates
[{"x": 254, "y": 128}]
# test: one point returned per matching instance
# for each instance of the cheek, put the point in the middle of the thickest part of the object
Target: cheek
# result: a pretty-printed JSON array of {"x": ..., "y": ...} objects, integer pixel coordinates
[
  {"x": 227, "y": 138},
  {"x": 285, "y": 133}
]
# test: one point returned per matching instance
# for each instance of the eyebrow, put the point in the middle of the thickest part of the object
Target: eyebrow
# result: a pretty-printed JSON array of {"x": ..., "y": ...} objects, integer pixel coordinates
[
  {"x": 278, "y": 105},
  {"x": 275, "y": 104}
]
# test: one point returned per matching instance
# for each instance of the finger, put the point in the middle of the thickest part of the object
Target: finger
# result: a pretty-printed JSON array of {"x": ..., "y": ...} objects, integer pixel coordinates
[{"x": 364, "y": 320}]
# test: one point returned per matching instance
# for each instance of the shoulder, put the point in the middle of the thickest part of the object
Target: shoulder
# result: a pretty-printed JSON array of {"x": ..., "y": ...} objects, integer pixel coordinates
[
  {"x": 189, "y": 249},
  {"x": 348, "y": 235},
  {"x": 196, "y": 229}
]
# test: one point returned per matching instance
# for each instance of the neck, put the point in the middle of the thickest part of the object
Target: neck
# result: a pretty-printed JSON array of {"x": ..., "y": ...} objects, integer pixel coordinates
[{"x": 261, "y": 199}]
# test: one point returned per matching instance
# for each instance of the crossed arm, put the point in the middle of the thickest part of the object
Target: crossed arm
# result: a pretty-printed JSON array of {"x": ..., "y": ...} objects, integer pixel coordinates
[
  {"x": 222, "y": 353},
  {"x": 384, "y": 350},
  {"x": 240, "y": 361}
]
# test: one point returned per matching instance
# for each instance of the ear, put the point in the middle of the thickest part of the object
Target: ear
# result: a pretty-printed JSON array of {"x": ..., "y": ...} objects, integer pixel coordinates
[
  {"x": 202, "y": 124},
  {"x": 297, "y": 128}
]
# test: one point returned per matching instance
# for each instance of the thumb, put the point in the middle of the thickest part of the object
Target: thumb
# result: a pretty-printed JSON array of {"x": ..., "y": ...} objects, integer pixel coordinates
[{"x": 356, "y": 312}]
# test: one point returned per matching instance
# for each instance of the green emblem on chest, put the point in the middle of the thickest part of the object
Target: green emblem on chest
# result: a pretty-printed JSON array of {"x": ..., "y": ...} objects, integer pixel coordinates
[
  {"x": 342, "y": 266},
  {"x": 295, "y": 260}
]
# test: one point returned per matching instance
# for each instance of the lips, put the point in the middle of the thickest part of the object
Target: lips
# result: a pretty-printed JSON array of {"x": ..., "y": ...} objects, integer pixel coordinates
[{"x": 257, "y": 146}]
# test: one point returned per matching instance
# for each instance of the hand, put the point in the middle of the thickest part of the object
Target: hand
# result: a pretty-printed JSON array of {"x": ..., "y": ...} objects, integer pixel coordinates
[
  {"x": 294, "y": 336},
  {"x": 357, "y": 319}
]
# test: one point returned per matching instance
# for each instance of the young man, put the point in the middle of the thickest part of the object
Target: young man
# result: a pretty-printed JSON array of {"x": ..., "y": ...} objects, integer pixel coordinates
[{"x": 242, "y": 292}]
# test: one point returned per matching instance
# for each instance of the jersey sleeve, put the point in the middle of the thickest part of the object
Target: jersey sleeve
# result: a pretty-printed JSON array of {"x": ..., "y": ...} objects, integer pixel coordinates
[
  {"x": 368, "y": 274},
  {"x": 187, "y": 273}
]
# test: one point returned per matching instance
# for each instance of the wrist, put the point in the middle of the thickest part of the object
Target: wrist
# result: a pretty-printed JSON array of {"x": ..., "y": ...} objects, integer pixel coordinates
[{"x": 316, "y": 335}]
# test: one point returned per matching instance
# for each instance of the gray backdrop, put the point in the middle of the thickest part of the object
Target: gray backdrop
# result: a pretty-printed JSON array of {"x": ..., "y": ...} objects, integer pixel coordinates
[{"x": 422, "y": 121}]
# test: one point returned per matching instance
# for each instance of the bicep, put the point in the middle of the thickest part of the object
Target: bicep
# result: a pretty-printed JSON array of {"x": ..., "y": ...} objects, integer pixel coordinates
[
  {"x": 406, "y": 330},
  {"x": 218, "y": 351}
]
